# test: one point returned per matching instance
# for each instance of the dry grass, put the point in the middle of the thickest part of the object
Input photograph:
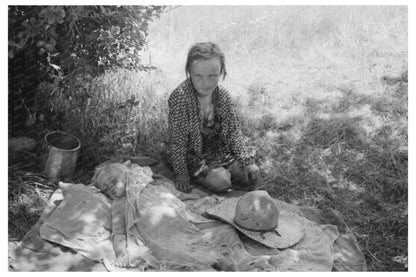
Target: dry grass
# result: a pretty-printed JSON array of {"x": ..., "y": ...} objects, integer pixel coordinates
[
  {"x": 329, "y": 133},
  {"x": 28, "y": 196}
]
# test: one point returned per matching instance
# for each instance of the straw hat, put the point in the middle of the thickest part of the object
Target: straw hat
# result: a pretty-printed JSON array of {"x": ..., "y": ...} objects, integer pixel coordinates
[{"x": 256, "y": 215}]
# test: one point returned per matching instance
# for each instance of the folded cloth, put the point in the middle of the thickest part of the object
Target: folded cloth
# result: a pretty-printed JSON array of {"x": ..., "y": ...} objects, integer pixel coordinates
[
  {"x": 37, "y": 254},
  {"x": 81, "y": 222}
]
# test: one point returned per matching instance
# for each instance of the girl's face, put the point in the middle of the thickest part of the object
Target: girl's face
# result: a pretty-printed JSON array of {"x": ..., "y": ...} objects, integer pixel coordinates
[
  {"x": 205, "y": 75},
  {"x": 118, "y": 190}
]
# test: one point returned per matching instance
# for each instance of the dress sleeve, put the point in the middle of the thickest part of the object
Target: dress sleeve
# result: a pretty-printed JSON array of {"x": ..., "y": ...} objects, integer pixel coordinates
[
  {"x": 235, "y": 136},
  {"x": 177, "y": 129},
  {"x": 118, "y": 220}
]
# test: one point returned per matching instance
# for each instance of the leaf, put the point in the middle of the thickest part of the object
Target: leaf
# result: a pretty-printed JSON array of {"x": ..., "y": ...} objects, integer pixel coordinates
[
  {"x": 11, "y": 54},
  {"x": 61, "y": 13},
  {"x": 401, "y": 259},
  {"x": 57, "y": 68},
  {"x": 91, "y": 37},
  {"x": 31, "y": 120},
  {"x": 17, "y": 107},
  {"x": 51, "y": 19},
  {"x": 21, "y": 43},
  {"x": 52, "y": 31},
  {"x": 49, "y": 47}
]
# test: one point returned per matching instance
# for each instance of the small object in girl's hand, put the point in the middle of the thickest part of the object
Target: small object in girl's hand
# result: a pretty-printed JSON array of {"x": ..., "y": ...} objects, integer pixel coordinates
[{"x": 250, "y": 179}]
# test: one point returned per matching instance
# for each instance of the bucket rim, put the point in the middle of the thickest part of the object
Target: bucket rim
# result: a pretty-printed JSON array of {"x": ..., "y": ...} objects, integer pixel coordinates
[{"x": 66, "y": 134}]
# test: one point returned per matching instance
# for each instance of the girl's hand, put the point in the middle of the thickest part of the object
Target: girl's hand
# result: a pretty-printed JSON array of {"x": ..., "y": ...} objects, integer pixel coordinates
[{"x": 183, "y": 183}]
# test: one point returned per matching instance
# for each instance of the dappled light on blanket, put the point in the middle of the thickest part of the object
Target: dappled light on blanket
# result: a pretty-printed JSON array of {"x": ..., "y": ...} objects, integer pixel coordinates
[
  {"x": 167, "y": 230},
  {"x": 159, "y": 212}
]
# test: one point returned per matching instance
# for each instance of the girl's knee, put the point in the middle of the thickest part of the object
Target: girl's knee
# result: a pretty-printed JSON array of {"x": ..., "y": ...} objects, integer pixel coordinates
[
  {"x": 218, "y": 180},
  {"x": 238, "y": 177}
]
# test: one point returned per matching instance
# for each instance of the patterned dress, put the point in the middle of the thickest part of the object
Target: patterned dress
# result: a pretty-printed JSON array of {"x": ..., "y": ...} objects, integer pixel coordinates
[{"x": 195, "y": 144}]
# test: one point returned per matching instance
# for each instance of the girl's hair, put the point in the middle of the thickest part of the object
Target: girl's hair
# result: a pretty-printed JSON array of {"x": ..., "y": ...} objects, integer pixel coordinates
[{"x": 205, "y": 51}]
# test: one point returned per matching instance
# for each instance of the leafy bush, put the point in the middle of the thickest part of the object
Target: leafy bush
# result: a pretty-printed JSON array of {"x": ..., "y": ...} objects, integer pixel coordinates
[
  {"x": 61, "y": 44},
  {"x": 90, "y": 39}
]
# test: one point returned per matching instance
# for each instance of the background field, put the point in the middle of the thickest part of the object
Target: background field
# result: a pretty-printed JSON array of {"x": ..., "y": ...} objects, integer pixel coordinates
[{"x": 308, "y": 85}]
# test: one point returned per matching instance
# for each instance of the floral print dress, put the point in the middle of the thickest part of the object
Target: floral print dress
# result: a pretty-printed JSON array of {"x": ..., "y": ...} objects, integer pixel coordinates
[{"x": 197, "y": 144}]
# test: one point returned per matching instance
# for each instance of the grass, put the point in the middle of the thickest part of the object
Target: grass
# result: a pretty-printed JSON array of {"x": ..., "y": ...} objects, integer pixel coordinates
[{"x": 306, "y": 82}]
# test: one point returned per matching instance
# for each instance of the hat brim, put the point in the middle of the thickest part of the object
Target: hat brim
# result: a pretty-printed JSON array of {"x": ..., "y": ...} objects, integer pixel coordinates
[{"x": 290, "y": 225}]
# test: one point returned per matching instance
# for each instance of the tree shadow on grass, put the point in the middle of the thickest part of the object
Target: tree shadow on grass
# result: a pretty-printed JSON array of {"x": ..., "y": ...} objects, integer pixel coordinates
[{"x": 350, "y": 156}]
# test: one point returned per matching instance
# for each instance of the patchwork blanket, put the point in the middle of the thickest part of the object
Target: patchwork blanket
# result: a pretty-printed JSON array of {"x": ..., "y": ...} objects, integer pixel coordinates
[{"x": 170, "y": 231}]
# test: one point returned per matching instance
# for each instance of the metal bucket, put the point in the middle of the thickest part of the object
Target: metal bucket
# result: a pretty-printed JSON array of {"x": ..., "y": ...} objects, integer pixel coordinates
[{"x": 62, "y": 156}]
